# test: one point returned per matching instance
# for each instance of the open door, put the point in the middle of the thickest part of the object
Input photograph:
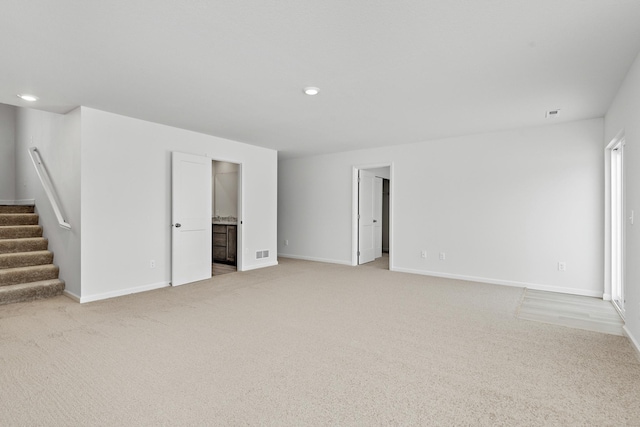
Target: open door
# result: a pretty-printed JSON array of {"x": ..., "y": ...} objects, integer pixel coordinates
[
  {"x": 190, "y": 218},
  {"x": 369, "y": 216},
  {"x": 377, "y": 216}
]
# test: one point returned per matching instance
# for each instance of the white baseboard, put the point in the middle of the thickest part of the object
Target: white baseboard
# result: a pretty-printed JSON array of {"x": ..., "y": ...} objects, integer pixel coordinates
[
  {"x": 606, "y": 297},
  {"x": 308, "y": 258},
  {"x": 27, "y": 202},
  {"x": 634, "y": 342},
  {"x": 71, "y": 295},
  {"x": 122, "y": 292},
  {"x": 501, "y": 282},
  {"x": 257, "y": 266}
]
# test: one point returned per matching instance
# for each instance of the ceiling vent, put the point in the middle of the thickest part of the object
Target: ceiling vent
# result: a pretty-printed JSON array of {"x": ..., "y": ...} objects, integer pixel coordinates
[{"x": 552, "y": 113}]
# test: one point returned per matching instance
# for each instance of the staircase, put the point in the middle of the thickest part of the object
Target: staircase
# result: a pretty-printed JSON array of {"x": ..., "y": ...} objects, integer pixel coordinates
[{"x": 26, "y": 266}]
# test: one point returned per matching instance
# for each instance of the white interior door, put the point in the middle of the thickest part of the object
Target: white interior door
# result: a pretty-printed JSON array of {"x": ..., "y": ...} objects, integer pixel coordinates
[
  {"x": 190, "y": 218},
  {"x": 377, "y": 216},
  {"x": 366, "y": 229}
]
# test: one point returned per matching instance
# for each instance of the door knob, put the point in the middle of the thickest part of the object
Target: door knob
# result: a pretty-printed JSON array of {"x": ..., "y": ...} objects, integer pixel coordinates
[{"x": 178, "y": 225}]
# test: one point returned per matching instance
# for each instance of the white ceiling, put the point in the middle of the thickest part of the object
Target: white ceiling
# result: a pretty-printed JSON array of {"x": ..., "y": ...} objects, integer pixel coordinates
[{"x": 390, "y": 71}]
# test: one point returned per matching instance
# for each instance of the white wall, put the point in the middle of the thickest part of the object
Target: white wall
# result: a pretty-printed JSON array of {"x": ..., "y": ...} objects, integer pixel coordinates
[
  {"x": 58, "y": 140},
  {"x": 126, "y": 200},
  {"x": 7, "y": 153},
  {"x": 225, "y": 189},
  {"x": 624, "y": 115},
  {"x": 505, "y": 207}
]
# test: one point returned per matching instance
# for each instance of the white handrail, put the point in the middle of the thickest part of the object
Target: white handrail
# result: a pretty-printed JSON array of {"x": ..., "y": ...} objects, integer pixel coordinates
[{"x": 45, "y": 180}]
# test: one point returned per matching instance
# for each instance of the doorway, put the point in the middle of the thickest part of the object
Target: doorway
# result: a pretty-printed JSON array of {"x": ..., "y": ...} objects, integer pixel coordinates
[
  {"x": 617, "y": 223},
  {"x": 197, "y": 215},
  {"x": 225, "y": 208},
  {"x": 372, "y": 223}
]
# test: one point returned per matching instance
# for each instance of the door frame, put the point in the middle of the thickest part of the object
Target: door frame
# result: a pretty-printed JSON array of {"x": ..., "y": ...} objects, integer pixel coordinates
[
  {"x": 611, "y": 255},
  {"x": 618, "y": 141},
  {"x": 354, "y": 210},
  {"x": 239, "y": 226}
]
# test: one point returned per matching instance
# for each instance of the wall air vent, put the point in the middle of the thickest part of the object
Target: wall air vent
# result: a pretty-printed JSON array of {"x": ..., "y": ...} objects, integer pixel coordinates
[
  {"x": 552, "y": 113},
  {"x": 262, "y": 254}
]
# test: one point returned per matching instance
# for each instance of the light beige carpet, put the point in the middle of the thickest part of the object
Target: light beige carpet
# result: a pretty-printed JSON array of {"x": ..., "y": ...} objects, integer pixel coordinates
[{"x": 309, "y": 344}]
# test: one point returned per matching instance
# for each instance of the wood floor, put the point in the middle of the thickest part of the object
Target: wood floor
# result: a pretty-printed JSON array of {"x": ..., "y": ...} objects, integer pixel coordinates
[
  {"x": 218, "y": 269},
  {"x": 574, "y": 311}
]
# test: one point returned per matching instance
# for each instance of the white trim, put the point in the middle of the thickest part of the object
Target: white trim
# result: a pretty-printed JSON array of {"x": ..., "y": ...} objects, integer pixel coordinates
[
  {"x": 22, "y": 202},
  {"x": 354, "y": 216},
  {"x": 71, "y": 295},
  {"x": 240, "y": 219},
  {"x": 620, "y": 313},
  {"x": 606, "y": 297},
  {"x": 123, "y": 292},
  {"x": 308, "y": 258},
  {"x": 501, "y": 282},
  {"x": 607, "y": 210},
  {"x": 255, "y": 267},
  {"x": 634, "y": 342}
]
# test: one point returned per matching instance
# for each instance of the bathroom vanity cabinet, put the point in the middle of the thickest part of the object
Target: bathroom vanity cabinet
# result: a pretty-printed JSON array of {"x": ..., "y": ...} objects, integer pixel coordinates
[{"x": 224, "y": 240}]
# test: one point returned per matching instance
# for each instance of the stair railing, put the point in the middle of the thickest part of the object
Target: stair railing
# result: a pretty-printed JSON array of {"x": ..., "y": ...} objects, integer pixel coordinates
[{"x": 50, "y": 191}]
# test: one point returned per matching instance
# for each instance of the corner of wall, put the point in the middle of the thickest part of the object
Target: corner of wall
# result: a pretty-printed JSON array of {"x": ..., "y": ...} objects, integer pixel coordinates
[{"x": 635, "y": 343}]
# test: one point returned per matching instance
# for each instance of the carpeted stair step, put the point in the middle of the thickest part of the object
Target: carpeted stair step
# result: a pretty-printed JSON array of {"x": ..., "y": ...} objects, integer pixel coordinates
[
  {"x": 25, "y": 259},
  {"x": 13, "y": 276},
  {"x": 9, "y": 246},
  {"x": 20, "y": 231},
  {"x": 26, "y": 266},
  {"x": 16, "y": 209},
  {"x": 18, "y": 219},
  {"x": 30, "y": 291}
]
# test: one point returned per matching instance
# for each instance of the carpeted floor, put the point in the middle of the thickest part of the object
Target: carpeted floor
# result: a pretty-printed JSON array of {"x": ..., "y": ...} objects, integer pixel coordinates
[{"x": 307, "y": 343}]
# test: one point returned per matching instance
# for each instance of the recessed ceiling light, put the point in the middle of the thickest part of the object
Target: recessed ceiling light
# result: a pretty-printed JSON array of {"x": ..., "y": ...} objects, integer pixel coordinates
[
  {"x": 27, "y": 97},
  {"x": 311, "y": 90},
  {"x": 552, "y": 113}
]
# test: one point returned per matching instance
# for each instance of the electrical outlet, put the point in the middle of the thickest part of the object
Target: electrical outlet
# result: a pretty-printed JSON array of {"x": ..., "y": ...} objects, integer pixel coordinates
[
  {"x": 443, "y": 256},
  {"x": 286, "y": 242},
  {"x": 152, "y": 263},
  {"x": 423, "y": 254},
  {"x": 562, "y": 266}
]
